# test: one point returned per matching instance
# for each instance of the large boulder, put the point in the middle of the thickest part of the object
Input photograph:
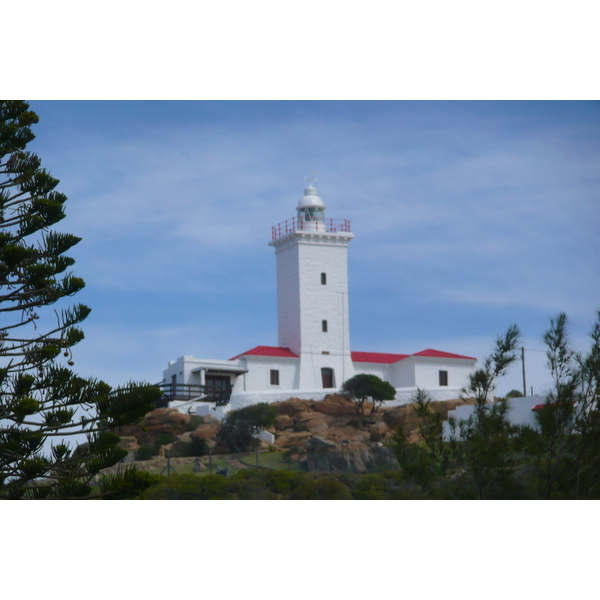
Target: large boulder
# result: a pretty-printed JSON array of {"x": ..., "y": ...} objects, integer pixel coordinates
[
  {"x": 312, "y": 421},
  {"x": 321, "y": 455},
  {"x": 319, "y": 444},
  {"x": 159, "y": 421},
  {"x": 335, "y": 406},
  {"x": 400, "y": 416},
  {"x": 378, "y": 431},
  {"x": 284, "y": 421},
  {"x": 167, "y": 417},
  {"x": 347, "y": 433},
  {"x": 293, "y": 406},
  {"x": 206, "y": 432},
  {"x": 285, "y": 440},
  {"x": 327, "y": 456}
]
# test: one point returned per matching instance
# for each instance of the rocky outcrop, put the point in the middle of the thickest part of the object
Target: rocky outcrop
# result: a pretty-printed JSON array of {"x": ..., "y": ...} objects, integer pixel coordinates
[
  {"x": 334, "y": 406},
  {"x": 330, "y": 436},
  {"x": 159, "y": 421},
  {"x": 326, "y": 435},
  {"x": 206, "y": 431},
  {"x": 349, "y": 457}
]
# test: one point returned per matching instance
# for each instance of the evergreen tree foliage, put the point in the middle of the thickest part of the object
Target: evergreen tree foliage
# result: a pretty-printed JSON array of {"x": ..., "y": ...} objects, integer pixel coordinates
[
  {"x": 486, "y": 456},
  {"x": 368, "y": 388},
  {"x": 423, "y": 462},
  {"x": 569, "y": 420},
  {"x": 42, "y": 401},
  {"x": 484, "y": 443}
]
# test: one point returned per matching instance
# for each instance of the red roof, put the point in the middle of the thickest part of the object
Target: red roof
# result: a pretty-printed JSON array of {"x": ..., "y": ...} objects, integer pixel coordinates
[
  {"x": 439, "y": 354},
  {"x": 377, "y": 357},
  {"x": 268, "y": 351},
  {"x": 364, "y": 357},
  {"x": 380, "y": 357}
]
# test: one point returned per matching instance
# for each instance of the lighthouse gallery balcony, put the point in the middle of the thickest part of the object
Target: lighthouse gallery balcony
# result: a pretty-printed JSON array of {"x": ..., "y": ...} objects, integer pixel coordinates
[{"x": 302, "y": 224}]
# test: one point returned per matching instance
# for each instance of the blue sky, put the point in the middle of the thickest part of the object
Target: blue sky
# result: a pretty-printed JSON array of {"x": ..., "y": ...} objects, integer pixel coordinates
[{"x": 468, "y": 216}]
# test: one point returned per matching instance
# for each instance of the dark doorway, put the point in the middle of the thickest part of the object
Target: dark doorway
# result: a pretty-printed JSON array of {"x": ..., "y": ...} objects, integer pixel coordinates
[
  {"x": 217, "y": 385},
  {"x": 327, "y": 377}
]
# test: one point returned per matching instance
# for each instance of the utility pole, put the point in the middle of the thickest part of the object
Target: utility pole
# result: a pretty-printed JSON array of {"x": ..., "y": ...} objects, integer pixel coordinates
[{"x": 523, "y": 361}]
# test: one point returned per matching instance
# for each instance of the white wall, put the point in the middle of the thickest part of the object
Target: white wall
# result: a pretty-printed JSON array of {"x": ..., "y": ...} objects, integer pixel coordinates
[
  {"x": 407, "y": 395},
  {"x": 403, "y": 396},
  {"x": 187, "y": 369},
  {"x": 249, "y": 398},
  {"x": 427, "y": 370},
  {"x": 288, "y": 295},
  {"x": 381, "y": 370},
  {"x": 519, "y": 412},
  {"x": 303, "y": 303},
  {"x": 182, "y": 368},
  {"x": 404, "y": 373},
  {"x": 259, "y": 373}
]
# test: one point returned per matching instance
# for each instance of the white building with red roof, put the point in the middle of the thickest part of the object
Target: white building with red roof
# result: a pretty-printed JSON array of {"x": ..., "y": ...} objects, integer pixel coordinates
[{"x": 313, "y": 357}]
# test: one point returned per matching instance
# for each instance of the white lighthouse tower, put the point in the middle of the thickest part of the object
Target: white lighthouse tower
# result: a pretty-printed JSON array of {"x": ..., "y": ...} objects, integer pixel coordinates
[{"x": 312, "y": 293}]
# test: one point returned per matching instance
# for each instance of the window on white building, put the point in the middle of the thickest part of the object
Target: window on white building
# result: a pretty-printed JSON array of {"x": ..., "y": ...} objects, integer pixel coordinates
[
  {"x": 274, "y": 377},
  {"x": 323, "y": 278},
  {"x": 443, "y": 378},
  {"x": 324, "y": 326}
]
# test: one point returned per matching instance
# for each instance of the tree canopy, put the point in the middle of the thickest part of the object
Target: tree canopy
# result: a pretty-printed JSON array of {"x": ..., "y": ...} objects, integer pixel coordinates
[
  {"x": 368, "y": 388},
  {"x": 42, "y": 401},
  {"x": 241, "y": 426}
]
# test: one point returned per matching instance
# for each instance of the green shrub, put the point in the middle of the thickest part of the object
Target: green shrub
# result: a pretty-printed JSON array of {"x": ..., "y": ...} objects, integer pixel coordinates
[
  {"x": 282, "y": 482},
  {"x": 250, "y": 485},
  {"x": 145, "y": 452},
  {"x": 162, "y": 439},
  {"x": 239, "y": 428},
  {"x": 370, "y": 487},
  {"x": 195, "y": 447},
  {"x": 322, "y": 488},
  {"x": 189, "y": 487}
]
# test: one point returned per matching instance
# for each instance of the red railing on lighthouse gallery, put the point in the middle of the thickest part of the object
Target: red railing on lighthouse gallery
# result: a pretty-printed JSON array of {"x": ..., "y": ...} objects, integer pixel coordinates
[{"x": 300, "y": 224}]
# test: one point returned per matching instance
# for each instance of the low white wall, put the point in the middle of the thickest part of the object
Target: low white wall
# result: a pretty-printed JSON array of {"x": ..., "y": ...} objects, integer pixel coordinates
[
  {"x": 519, "y": 412},
  {"x": 249, "y": 398},
  {"x": 407, "y": 395},
  {"x": 203, "y": 410},
  {"x": 265, "y": 436},
  {"x": 403, "y": 396}
]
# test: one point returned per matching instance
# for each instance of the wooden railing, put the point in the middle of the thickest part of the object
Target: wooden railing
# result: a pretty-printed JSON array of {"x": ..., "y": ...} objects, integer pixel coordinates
[{"x": 218, "y": 394}]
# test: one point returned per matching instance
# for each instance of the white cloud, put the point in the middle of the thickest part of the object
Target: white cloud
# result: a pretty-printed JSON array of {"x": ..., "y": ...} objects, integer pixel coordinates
[{"x": 486, "y": 211}]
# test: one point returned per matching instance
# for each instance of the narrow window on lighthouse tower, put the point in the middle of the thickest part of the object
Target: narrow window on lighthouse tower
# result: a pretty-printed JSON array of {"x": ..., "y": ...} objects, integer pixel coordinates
[
  {"x": 323, "y": 279},
  {"x": 324, "y": 326}
]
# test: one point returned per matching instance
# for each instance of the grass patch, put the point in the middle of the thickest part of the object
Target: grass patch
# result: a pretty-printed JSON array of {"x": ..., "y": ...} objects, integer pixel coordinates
[{"x": 270, "y": 460}]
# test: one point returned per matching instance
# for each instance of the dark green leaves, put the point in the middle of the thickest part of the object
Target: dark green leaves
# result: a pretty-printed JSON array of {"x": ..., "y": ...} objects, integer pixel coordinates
[
  {"x": 363, "y": 387},
  {"x": 40, "y": 399},
  {"x": 240, "y": 426}
]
